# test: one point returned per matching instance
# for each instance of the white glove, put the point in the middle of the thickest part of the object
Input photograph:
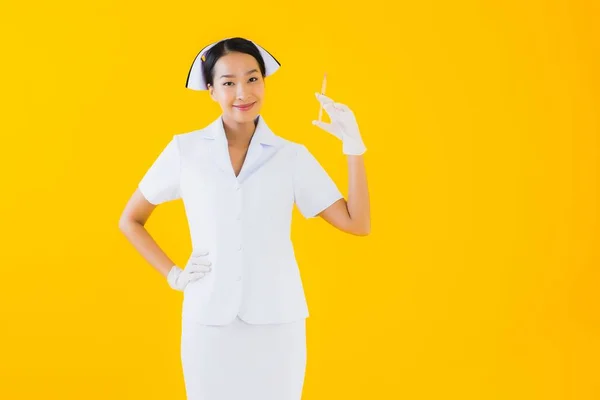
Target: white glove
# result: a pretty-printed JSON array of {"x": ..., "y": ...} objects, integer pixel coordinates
[
  {"x": 343, "y": 125},
  {"x": 197, "y": 266}
]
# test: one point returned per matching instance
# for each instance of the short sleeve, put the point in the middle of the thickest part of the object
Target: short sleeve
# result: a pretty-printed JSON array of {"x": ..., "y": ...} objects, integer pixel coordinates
[
  {"x": 314, "y": 190},
  {"x": 160, "y": 183}
]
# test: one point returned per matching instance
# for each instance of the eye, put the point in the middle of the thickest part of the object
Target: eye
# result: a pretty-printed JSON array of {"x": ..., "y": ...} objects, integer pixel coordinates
[{"x": 225, "y": 84}]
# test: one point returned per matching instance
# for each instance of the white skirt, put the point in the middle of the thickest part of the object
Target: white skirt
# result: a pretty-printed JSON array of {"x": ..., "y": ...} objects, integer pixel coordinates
[{"x": 244, "y": 361}]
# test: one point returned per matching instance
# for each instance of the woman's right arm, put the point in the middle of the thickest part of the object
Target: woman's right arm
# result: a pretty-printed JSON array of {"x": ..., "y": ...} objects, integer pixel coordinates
[{"x": 132, "y": 221}]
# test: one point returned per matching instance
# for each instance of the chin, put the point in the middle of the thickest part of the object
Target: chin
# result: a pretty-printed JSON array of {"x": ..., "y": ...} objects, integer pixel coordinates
[{"x": 243, "y": 118}]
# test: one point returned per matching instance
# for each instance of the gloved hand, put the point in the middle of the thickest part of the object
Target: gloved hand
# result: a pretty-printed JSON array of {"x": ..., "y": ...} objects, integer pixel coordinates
[
  {"x": 343, "y": 125},
  {"x": 197, "y": 266}
]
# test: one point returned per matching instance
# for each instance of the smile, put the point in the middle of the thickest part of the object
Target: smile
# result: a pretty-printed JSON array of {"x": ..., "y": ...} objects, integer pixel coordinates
[{"x": 246, "y": 107}]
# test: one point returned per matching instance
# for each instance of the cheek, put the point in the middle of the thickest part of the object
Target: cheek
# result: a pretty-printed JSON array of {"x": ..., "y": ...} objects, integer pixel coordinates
[
  {"x": 226, "y": 97},
  {"x": 259, "y": 91}
]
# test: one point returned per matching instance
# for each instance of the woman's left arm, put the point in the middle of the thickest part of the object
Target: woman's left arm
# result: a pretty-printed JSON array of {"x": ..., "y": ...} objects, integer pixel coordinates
[{"x": 352, "y": 215}]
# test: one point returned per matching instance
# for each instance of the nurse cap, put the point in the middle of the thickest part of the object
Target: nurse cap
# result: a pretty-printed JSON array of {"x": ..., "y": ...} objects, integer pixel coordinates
[{"x": 195, "y": 79}]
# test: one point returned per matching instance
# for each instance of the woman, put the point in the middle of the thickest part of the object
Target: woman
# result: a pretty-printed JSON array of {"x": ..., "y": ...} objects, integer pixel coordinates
[{"x": 244, "y": 310}]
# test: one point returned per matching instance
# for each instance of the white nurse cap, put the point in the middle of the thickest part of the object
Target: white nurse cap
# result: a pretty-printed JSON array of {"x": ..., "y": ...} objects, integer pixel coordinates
[{"x": 195, "y": 79}]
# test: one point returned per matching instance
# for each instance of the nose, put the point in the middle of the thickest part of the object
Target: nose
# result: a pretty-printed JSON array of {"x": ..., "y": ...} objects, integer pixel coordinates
[{"x": 242, "y": 90}]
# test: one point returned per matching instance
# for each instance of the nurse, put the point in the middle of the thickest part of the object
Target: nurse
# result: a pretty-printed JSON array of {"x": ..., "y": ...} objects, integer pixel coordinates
[{"x": 244, "y": 310}]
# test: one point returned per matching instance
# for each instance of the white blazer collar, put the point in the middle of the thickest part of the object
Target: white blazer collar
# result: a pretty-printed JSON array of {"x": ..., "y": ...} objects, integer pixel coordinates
[
  {"x": 262, "y": 134},
  {"x": 263, "y": 145}
]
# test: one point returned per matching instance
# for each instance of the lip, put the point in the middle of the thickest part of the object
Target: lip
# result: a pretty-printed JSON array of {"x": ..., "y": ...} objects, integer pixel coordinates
[{"x": 245, "y": 107}]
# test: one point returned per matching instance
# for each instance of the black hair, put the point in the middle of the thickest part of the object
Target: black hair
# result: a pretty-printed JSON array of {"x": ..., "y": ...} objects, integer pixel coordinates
[{"x": 225, "y": 47}]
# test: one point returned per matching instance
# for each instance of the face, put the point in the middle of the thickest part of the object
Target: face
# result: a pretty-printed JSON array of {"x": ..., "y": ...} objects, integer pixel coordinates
[{"x": 238, "y": 81}]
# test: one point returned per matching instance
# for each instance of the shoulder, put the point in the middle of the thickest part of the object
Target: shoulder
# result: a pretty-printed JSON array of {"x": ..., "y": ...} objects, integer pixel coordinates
[
  {"x": 291, "y": 149},
  {"x": 188, "y": 137},
  {"x": 190, "y": 142}
]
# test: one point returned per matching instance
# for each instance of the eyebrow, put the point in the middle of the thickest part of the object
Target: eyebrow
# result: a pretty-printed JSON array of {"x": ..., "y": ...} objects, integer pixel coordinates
[{"x": 233, "y": 76}]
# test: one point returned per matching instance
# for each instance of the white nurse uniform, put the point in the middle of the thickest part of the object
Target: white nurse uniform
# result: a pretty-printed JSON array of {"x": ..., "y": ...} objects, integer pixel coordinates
[{"x": 244, "y": 323}]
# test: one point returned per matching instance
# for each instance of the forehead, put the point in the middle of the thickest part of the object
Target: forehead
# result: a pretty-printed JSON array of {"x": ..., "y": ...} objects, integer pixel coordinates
[{"x": 236, "y": 64}]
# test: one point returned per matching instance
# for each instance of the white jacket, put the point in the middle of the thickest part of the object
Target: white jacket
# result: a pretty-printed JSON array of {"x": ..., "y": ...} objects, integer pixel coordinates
[{"x": 244, "y": 221}]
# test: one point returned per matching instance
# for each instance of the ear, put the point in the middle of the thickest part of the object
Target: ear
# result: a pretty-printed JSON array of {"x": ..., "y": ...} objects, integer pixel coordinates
[{"x": 210, "y": 91}]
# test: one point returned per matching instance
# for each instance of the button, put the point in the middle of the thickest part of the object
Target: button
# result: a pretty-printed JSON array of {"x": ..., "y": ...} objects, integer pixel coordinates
[
  {"x": 237, "y": 187},
  {"x": 239, "y": 247},
  {"x": 239, "y": 278},
  {"x": 239, "y": 217}
]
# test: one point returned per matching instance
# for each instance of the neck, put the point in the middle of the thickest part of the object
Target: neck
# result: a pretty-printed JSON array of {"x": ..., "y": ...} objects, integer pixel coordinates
[{"x": 239, "y": 134}]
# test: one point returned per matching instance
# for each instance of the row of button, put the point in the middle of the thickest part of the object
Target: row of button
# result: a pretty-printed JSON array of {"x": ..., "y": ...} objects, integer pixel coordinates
[{"x": 239, "y": 217}]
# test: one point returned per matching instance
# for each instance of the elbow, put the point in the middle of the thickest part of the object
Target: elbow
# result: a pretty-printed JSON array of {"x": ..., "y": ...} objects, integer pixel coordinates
[
  {"x": 125, "y": 224},
  {"x": 365, "y": 232},
  {"x": 362, "y": 230}
]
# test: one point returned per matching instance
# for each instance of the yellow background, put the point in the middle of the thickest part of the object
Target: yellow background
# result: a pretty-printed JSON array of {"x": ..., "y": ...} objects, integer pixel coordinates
[{"x": 480, "y": 278}]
